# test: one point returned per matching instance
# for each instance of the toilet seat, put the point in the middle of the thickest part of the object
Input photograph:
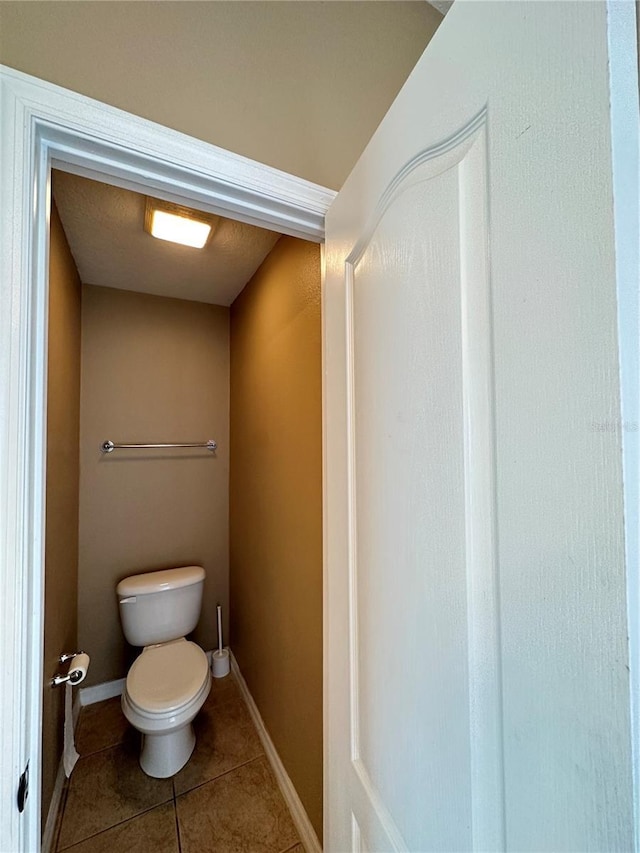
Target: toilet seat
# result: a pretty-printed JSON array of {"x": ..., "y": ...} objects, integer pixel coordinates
[{"x": 166, "y": 678}]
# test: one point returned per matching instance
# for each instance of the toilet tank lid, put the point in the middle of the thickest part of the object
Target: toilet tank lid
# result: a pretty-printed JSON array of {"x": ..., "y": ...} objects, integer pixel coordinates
[{"x": 159, "y": 581}]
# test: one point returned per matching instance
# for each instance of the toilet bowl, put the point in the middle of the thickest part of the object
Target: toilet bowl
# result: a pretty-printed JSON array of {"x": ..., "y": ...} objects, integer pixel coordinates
[
  {"x": 165, "y": 688},
  {"x": 170, "y": 680}
]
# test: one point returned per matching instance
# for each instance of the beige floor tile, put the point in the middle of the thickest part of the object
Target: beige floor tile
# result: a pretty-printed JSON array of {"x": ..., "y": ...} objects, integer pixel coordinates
[
  {"x": 155, "y": 831},
  {"x": 107, "y": 788},
  {"x": 222, "y": 689},
  {"x": 225, "y": 738},
  {"x": 101, "y": 725},
  {"x": 241, "y": 812}
]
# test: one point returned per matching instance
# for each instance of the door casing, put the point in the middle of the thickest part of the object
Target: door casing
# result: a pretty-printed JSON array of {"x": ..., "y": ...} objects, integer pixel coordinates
[{"x": 45, "y": 126}]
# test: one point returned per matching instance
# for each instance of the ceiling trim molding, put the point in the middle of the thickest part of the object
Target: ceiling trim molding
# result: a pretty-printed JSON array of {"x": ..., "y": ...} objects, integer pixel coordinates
[{"x": 42, "y": 125}]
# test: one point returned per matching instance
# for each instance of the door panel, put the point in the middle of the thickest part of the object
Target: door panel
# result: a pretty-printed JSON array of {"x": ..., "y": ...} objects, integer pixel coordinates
[
  {"x": 476, "y": 585},
  {"x": 411, "y": 566},
  {"x": 409, "y": 590}
]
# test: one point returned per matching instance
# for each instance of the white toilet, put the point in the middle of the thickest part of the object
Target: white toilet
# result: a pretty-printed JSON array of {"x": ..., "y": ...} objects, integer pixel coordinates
[{"x": 169, "y": 682}]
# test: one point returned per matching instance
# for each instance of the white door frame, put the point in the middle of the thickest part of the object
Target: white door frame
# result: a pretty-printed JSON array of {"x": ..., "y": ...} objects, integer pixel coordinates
[
  {"x": 43, "y": 125},
  {"x": 624, "y": 92}
]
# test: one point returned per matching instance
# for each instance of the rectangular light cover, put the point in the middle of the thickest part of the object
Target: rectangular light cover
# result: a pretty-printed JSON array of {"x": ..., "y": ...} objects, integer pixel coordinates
[{"x": 179, "y": 229}]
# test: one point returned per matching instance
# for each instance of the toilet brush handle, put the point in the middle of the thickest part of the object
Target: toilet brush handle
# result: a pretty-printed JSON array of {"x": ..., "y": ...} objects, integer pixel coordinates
[{"x": 219, "y": 608}]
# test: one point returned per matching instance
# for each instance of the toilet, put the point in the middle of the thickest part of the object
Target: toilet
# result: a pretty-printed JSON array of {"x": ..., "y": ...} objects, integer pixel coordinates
[{"x": 169, "y": 682}]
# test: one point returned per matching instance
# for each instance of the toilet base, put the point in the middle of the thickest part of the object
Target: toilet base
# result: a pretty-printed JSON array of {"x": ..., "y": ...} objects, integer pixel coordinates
[{"x": 162, "y": 755}]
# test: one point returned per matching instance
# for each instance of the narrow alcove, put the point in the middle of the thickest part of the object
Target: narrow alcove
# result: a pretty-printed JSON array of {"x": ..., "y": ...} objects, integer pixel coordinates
[{"x": 149, "y": 342}]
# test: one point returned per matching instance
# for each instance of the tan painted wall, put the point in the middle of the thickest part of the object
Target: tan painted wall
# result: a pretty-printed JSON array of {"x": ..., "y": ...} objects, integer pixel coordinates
[
  {"x": 300, "y": 86},
  {"x": 153, "y": 370},
  {"x": 276, "y": 506},
  {"x": 61, "y": 540}
]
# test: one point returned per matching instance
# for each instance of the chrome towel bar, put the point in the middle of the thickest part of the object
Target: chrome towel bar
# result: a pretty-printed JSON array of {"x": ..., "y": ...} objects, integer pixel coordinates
[{"x": 109, "y": 446}]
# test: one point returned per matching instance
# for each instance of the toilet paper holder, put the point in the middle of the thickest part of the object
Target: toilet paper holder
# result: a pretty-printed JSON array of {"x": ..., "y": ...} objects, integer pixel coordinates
[{"x": 74, "y": 676}]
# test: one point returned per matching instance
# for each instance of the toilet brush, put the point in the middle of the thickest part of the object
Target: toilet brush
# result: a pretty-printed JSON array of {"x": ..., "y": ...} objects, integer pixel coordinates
[{"x": 220, "y": 657}]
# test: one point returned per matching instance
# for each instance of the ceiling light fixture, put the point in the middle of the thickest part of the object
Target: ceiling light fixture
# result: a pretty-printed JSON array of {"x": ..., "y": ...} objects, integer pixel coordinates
[{"x": 177, "y": 224}]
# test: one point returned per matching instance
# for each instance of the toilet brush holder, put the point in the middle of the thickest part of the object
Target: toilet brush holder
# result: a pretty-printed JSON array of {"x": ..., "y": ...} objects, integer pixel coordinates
[
  {"x": 220, "y": 658},
  {"x": 220, "y": 663}
]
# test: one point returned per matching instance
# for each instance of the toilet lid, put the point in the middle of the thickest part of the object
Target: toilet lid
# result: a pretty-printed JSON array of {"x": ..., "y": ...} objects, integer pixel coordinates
[{"x": 166, "y": 677}]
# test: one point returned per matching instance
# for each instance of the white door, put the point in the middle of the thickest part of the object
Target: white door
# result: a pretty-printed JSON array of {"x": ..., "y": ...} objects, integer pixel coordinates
[{"x": 476, "y": 635}]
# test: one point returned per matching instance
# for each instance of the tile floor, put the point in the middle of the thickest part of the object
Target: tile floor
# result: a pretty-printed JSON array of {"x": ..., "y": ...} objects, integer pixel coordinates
[{"x": 225, "y": 799}]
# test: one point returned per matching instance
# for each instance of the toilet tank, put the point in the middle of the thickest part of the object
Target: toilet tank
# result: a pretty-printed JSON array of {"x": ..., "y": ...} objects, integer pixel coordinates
[{"x": 160, "y": 606}]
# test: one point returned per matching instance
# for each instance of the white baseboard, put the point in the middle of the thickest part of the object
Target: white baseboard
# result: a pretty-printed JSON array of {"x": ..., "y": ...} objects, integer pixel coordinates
[
  {"x": 300, "y": 818},
  {"x": 99, "y": 692},
  {"x": 58, "y": 790}
]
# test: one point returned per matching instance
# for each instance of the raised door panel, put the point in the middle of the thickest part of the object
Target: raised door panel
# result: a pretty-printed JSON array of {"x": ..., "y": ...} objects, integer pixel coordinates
[{"x": 421, "y": 499}]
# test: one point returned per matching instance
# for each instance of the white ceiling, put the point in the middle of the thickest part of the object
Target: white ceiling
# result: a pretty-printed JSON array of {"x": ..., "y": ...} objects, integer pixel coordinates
[{"x": 104, "y": 228}]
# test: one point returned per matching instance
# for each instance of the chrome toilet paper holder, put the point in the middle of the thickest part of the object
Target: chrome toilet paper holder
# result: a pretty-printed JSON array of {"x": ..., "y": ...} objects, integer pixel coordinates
[{"x": 73, "y": 676}]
